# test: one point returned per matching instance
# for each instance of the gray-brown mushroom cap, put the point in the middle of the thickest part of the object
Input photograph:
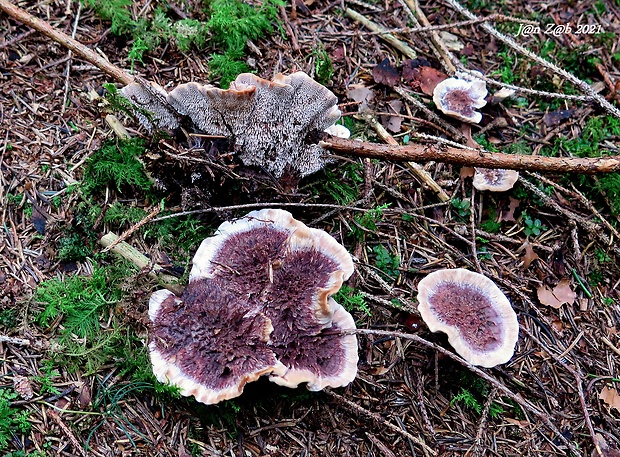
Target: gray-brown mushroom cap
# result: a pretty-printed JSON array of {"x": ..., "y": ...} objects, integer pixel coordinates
[
  {"x": 270, "y": 123},
  {"x": 460, "y": 98},
  {"x": 480, "y": 323},
  {"x": 151, "y": 106},
  {"x": 494, "y": 180}
]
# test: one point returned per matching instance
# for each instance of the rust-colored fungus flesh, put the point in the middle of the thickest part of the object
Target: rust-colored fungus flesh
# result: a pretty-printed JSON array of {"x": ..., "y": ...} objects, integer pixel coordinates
[
  {"x": 259, "y": 302},
  {"x": 477, "y": 317}
]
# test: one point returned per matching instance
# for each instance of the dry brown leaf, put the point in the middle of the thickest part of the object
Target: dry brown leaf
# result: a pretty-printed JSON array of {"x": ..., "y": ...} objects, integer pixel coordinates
[
  {"x": 557, "y": 325},
  {"x": 385, "y": 73},
  {"x": 529, "y": 255},
  {"x": 607, "y": 451},
  {"x": 409, "y": 65},
  {"x": 611, "y": 398},
  {"x": 466, "y": 130},
  {"x": 546, "y": 297},
  {"x": 426, "y": 77},
  {"x": 518, "y": 423},
  {"x": 429, "y": 78},
  {"x": 361, "y": 94},
  {"x": 509, "y": 215},
  {"x": 393, "y": 123},
  {"x": 378, "y": 371},
  {"x": 555, "y": 118},
  {"x": 562, "y": 293},
  {"x": 467, "y": 172}
]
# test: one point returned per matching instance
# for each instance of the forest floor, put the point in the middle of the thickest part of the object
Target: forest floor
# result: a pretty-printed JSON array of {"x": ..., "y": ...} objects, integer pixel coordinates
[{"x": 75, "y": 376}]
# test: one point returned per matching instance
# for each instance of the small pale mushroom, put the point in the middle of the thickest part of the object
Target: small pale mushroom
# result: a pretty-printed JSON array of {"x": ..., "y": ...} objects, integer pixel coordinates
[
  {"x": 460, "y": 98},
  {"x": 338, "y": 130},
  {"x": 480, "y": 323},
  {"x": 495, "y": 180},
  {"x": 270, "y": 124}
]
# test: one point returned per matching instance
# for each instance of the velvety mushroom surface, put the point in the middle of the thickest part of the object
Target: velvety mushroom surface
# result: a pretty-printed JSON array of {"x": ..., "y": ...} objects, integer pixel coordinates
[
  {"x": 477, "y": 317},
  {"x": 209, "y": 342},
  {"x": 288, "y": 271},
  {"x": 322, "y": 359},
  {"x": 460, "y": 98},
  {"x": 258, "y": 302}
]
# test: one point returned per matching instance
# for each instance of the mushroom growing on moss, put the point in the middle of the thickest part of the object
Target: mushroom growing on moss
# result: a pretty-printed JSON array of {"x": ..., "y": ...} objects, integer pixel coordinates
[
  {"x": 460, "y": 98},
  {"x": 270, "y": 123},
  {"x": 477, "y": 317},
  {"x": 495, "y": 180},
  {"x": 258, "y": 302}
]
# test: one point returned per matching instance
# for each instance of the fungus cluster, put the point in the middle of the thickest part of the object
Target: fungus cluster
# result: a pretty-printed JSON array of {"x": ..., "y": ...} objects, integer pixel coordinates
[
  {"x": 258, "y": 303},
  {"x": 477, "y": 317},
  {"x": 270, "y": 123}
]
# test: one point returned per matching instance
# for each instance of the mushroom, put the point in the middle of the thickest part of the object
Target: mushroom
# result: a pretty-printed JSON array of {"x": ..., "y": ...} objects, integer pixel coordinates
[
  {"x": 150, "y": 105},
  {"x": 322, "y": 358},
  {"x": 209, "y": 343},
  {"x": 290, "y": 272},
  {"x": 338, "y": 130},
  {"x": 269, "y": 122},
  {"x": 477, "y": 317},
  {"x": 258, "y": 303},
  {"x": 495, "y": 180},
  {"x": 459, "y": 98}
]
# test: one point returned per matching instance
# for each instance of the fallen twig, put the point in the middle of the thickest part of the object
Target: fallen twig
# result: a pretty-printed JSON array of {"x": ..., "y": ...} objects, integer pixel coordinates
[
  {"x": 141, "y": 261},
  {"x": 86, "y": 53},
  {"x": 418, "y": 153},
  {"x": 423, "y": 176},
  {"x": 382, "y": 421},
  {"x": 471, "y": 157},
  {"x": 525, "y": 404},
  {"x": 13, "y": 340},
  {"x": 383, "y": 33},
  {"x": 582, "y": 85},
  {"x": 67, "y": 431}
]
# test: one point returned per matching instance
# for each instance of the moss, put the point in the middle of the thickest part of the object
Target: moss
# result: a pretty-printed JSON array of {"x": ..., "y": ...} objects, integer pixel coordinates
[{"x": 116, "y": 164}]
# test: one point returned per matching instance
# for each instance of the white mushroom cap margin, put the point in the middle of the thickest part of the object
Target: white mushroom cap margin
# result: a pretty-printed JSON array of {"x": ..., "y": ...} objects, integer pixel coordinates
[
  {"x": 468, "y": 323},
  {"x": 460, "y": 98}
]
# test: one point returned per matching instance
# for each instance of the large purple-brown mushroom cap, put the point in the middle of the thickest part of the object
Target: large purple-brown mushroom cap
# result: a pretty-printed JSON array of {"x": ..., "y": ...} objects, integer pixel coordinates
[
  {"x": 477, "y": 317},
  {"x": 258, "y": 302},
  {"x": 209, "y": 343},
  {"x": 288, "y": 271}
]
